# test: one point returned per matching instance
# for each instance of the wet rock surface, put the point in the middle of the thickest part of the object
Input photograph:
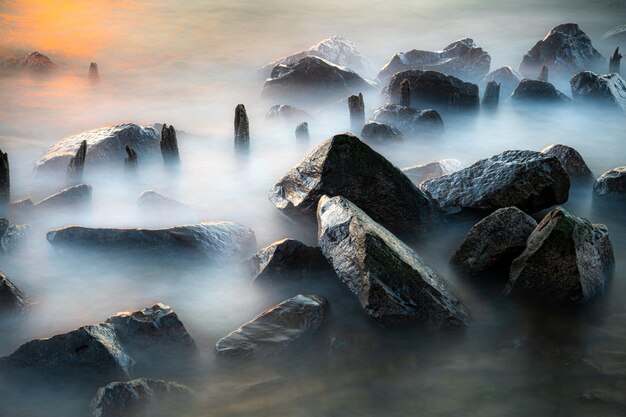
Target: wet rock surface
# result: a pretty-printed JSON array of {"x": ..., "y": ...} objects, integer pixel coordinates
[
  {"x": 276, "y": 329},
  {"x": 76, "y": 195},
  {"x": 408, "y": 120},
  {"x": 605, "y": 90},
  {"x": 376, "y": 131},
  {"x": 392, "y": 283},
  {"x": 611, "y": 184},
  {"x": 11, "y": 234},
  {"x": 420, "y": 173},
  {"x": 528, "y": 180},
  {"x": 507, "y": 77},
  {"x": 537, "y": 92},
  {"x": 572, "y": 161},
  {"x": 12, "y": 300}
]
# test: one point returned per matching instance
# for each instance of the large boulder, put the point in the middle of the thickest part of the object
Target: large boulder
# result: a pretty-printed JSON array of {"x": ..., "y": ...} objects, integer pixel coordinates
[
  {"x": 393, "y": 284},
  {"x": 409, "y": 120},
  {"x": 76, "y": 195},
  {"x": 462, "y": 59},
  {"x": 611, "y": 184},
  {"x": 494, "y": 241},
  {"x": 12, "y": 300},
  {"x": 566, "y": 261},
  {"x": 507, "y": 77},
  {"x": 530, "y": 181},
  {"x": 434, "y": 90},
  {"x": 572, "y": 161},
  {"x": 537, "y": 92},
  {"x": 104, "y": 145},
  {"x": 380, "y": 132},
  {"x": 276, "y": 329},
  {"x": 314, "y": 80},
  {"x": 420, "y": 173},
  {"x": 287, "y": 113},
  {"x": 11, "y": 234},
  {"x": 606, "y": 90},
  {"x": 214, "y": 240},
  {"x": 343, "y": 165},
  {"x": 565, "y": 50}
]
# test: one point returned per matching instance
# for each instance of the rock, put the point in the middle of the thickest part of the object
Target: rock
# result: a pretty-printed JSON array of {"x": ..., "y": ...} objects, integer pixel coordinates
[
  {"x": 494, "y": 241},
  {"x": 491, "y": 98},
  {"x": 537, "y": 92},
  {"x": 343, "y": 165},
  {"x": 357, "y": 112},
  {"x": 215, "y": 240},
  {"x": 543, "y": 74},
  {"x": 408, "y": 120},
  {"x": 461, "y": 59},
  {"x": 169, "y": 145},
  {"x": 77, "y": 164},
  {"x": 287, "y": 260},
  {"x": 5, "y": 183},
  {"x": 392, "y": 283},
  {"x": 335, "y": 49},
  {"x": 94, "y": 76},
  {"x": 276, "y": 329},
  {"x": 405, "y": 93},
  {"x": 11, "y": 234},
  {"x": 565, "y": 50},
  {"x": 152, "y": 200},
  {"x": 130, "y": 162},
  {"x": 71, "y": 196},
  {"x": 375, "y": 131},
  {"x": 571, "y": 160},
  {"x": 617, "y": 34},
  {"x": 34, "y": 62},
  {"x": 287, "y": 113},
  {"x": 607, "y": 90},
  {"x": 507, "y": 77},
  {"x": 104, "y": 145},
  {"x": 314, "y": 80},
  {"x": 434, "y": 90},
  {"x": 614, "y": 61},
  {"x": 242, "y": 128},
  {"x": 565, "y": 261},
  {"x": 611, "y": 184},
  {"x": 420, "y": 173},
  {"x": 141, "y": 397},
  {"x": 302, "y": 131},
  {"x": 528, "y": 180},
  {"x": 12, "y": 300}
]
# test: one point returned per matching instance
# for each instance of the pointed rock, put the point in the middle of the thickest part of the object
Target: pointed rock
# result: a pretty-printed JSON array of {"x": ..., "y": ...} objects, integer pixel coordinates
[
  {"x": 357, "y": 112},
  {"x": 94, "y": 76},
  {"x": 154, "y": 201},
  {"x": 537, "y": 92},
  {"x": 611, "y": 184},
  {"x": 12, "y": 300},
  {"x": 543, "y": 74},
  {"x": 507, "y": 77},
  {"x": 130, "y": 162},
  {"x": 572, "y": 161},
  {"x": 169, "y": 145},
  {"x": 614, "y": 62},
  {"x": 77, "y": 164},
  {"x": 302, "y": 131},
  {"x": 5, "y": 183},
  {"x": 491, "y": 98},
  {"x": 242, "y": 128},
  {"x": 405, "y": 93}
]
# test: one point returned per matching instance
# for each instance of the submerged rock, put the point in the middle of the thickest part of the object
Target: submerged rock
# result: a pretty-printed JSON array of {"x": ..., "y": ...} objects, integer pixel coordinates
[
  {"x": 34, "y": 62},
  {"x": 375, "y": 131},
  {"x": 507, "y": 77},
  {"x": 276, "y": 329},
  {"x": 12, "y": 300},
  {"x": 572, "y": 161},
  {"x": 5, "y": 183},
  {"x": 242, "y": 128},
  {"x": 169, "y": 145},
  {"x": 154, "y": 201},
  {"x": 409, "y": 120},
  {"x": 494, "y": 241},
  {"x": 566, "y": 261},
  {"x": 528, "y": 180},
  {"x": 343, "y": 165},
  {"x": 356, "y": 106},
  {"x": 606, "y": 90},
  {"x": 611, "y": 184},
  {"x": 392, "y": 283},
  {"x": 94, "y": 76},
  {"x": 11, "y": 234},
  {"x": 71, "y": 196},
  {"x": 302, "y": 131},
  {"x": 287, "y": 113},
  {"x": 420, "y": 173},
  {"x": 77, "y": 164},
  {"x": 491, "y": 98},
  {"x": 537, "y": 92}
]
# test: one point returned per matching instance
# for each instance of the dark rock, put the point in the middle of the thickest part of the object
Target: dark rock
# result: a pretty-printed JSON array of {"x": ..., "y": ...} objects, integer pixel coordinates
[
  {"x": 409, "y": 120},
  {"x": 375, "y": 131},
  {"x": 491, "y": 98},
  {"x": 494, "y": 241},
  {"x": 571, "y": 160},
  {"x": 12, "y": 300},
  {"x": 11, "y": 234},
  {"x": 94, "y": 76},
  {"x": 77, "y": 164},
  {"x": 154, "y": 201},
  {"x": 75, "y": 195},
  {"x": 607, "y": 90},
  {"x": 420, "y": 173},
  {"x": 565, "y": 50},
  {"x": 287, "y": 260},
  {"x": 405, "y": 93},
  {"x": 392, "y": 283},
  {"x": 611, "y": 184},
  {"x": 5, "y": 183},
  {"x": 141, "y": 397},
  {"x": 242, "y": 128},
  {"x": 357, "y": 112},
  {"x": 537, "y": 92},
  {"x": 527, "y": 180},
  {"x": 543, "y": 74},
  {"x": 507, "y": 77},
  {"x": 565, "y": 261},
  {"x": 276, "y": 329},
  {"x": 302, "y": 131},
  {"x": 461, "y": 59},
  {"x": 286, "y": 113},
  {"x": 614, "y": 61},
  {"x": 343, "y": 165},
  {"x": 169, "y": 145},
  {"x": 130, "y": 162}
]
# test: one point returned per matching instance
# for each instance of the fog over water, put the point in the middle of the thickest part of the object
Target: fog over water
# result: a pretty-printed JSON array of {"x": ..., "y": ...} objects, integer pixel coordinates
[{"x": 189, "y": 64}]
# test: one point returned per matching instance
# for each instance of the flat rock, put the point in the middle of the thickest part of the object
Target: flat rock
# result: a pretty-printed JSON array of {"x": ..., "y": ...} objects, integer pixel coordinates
[
  {"x": 12, "y": 300},
  {"x": 611, "y": 184},
  {"x": 380, "y": 132},
  {"x": 11, "y": 234},
  {"x": 408, "y": 120},
  {"x": 152, "y": 200},
  {"x": 343, "y": 165},
  {"x": 420, "y": 173},
  {"x": 287, "y": 114},
  {"x": 607, "y": 90},
  {"x": 530, "y": 181},
  {"x": 572, "y": 161},
  {"x": 276, "y": 329},
  {"x": 75, "y": 195},
  {"x": 507, "y": 77},
  {"x": 537, "y": 92}
]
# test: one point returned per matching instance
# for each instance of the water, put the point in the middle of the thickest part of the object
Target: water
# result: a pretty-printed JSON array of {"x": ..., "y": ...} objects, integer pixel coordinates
[{"x": 189, "y": 65}]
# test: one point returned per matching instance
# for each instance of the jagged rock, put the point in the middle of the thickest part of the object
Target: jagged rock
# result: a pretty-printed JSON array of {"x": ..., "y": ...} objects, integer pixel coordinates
[
  {"x": 77, "y": 164},
  {"x": 420, "y": 173},
  {"x": 34, "y": 62},
  {"x": 392, "y": 283},
  {"x": 405, "y": 93},
  {"x": 169, "y": 145},
  {"x": 409, "y": 120},
  {"x": 543, "y": 74},
  {"x": 130, "y": 162},
  {"x": 607, "y": 90},
  {"x": 94, "y": 76},
  {"x": 104, "y": 145},
  {"x": 75, "y": 195},
  {"x": 507, "y": 77},
  {"x": 335, "y": 49},
  {"x": 216, "y": 240},
  {"x": 154, "y": 201},
  {"x": 11, "y": 298},
  {"x": 375, "y": 131},
  {"x": 491, "y": 98},
  {"x": 302, "y": 131},
  {"x": 566, "y": 261},
  {"x": 315, "y": 80},
  {"x": 343, "y": 165},
  {"x": 571, "y": 160},
  {"x": 614, "y": 61},
  {"x": 242, "y": 127},
  {"x": 537, "y": 92},
  {"x": 528, "y": 180},
  {"x": 565, "y": 50},
  {"x": 617, "y": 34},
  {"x": 461, "y": 59},
  {"x": 287, "y": 113},
  {"x": 434, "y": 90},
  {"x": 494, "y": 241},
  {"x": 5, "y": 183},
  {"x": 287, "y": 259},
  {"x": 611, "y": 184},
  {"x": 276, "y": 329},
  {"x": 357, "y": 112},
  {"x": 141, "y": 397},
  {"x": 11, "y": 234}
]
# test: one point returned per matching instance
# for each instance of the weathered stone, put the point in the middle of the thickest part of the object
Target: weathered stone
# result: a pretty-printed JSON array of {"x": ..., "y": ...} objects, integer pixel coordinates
[
  {"x": 409, "y": 120},
  {"x": 527, "y": 180},
  {"x": 611, "y": 184},
  {"x": 614, "y": 61},
  {"x": 537, "y": 92},
  {"x": 343, "y": 165},
  {"x": 286, "y": 113},
  {"x": 154, "y": 201},
  {"x": 11, "y": 234},
  {"x": 5, "y": 183},
  {"x": 34, "y": 62},
  {"x": 276, "y": 329},
  {"x": 491, "y": 98},
  {"x": 392, "y": 283},
  {"x": 242, "y": 128},
  {"x": 507, "y": 77},
  {"x": 405, "y": 93},
  {"x": 169, "y": 145},
  {"x": 77, "y": 164},
  {"x": 607, "y": 90},
  {"x": 12, "y": 300},
  {"x": 302, "y": 131},
  {"x": 375, "y": 131},
  {"x": 571, "y": 160},
  {"x": 94, "y": 76},
  {"x": 494, "y": 241},
  {"x": 71, "y": 196},
  {"x": 543, "y": 74},
  {"x": 420, "y": 173},
  {"x": 565, "y": 261},
  {"x": 130, "y": 162},
  {"x": 357, "y": 112}
]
